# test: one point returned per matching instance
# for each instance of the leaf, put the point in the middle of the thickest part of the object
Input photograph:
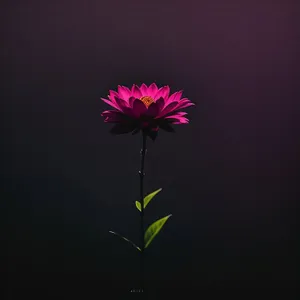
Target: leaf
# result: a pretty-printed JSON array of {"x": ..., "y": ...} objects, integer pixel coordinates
[
  {"x": 147, "y": 199},
  {"x": 154, "y": 229},
  {"x": 134, "y": 245}
]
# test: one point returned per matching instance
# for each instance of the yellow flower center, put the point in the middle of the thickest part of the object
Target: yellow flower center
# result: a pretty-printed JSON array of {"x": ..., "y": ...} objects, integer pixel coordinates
[{"x": 147, "y": 100}]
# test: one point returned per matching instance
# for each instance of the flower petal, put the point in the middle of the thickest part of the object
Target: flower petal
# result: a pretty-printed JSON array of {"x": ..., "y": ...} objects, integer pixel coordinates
[
  {"x": 136, "y": 91},
  {"x": 128, "y": 111},
  {"x": 131, "y": 100},
  {"x": 178, "y": 123},
  {"x": 112, "y": 95},
  {"x": 124, "y": 92},
  {"x": 170, "y": 107},
  {"x": 184, "y": 99},
  {"x": 124, "y": 107},
  {"x": 178, "y": 95},
  {"x": 181, "y": 113},
  {"x": 109, "y": 112},
  {"x": 111, "y": 103},
  {"x": 174, "y": 97},
  {"x": 152, "y": 90},
  {"x": 113, "y": 116},
  {"x": 121, "y": 103},
  {"x": 138, "y": 107},
  {"x": 177, "y": 120},
  {"x": 166, "y": 92},
  {"x": 161, "y": 103},
  {"x": 171, "y": 98},
  {"x": 144, "y": 89},
  {"x": 184, "y": 104},
  {"x": 175, "y": 113},
  {"x": 162, "y": 92},
  {"x": 152, "y": 110}
]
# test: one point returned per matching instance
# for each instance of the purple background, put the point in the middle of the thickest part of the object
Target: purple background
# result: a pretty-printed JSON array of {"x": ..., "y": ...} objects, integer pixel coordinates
[{"x": 228, "y": 178}]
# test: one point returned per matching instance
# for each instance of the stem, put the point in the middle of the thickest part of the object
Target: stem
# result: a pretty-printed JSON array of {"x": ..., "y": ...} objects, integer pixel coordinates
[{"x": 141, "y": 173}]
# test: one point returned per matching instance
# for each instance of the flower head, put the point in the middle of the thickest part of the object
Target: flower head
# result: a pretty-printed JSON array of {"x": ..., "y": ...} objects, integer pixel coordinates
[{"x": 145, "y": 108}]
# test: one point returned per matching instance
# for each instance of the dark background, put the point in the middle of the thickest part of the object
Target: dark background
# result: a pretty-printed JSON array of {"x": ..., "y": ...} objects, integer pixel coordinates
[{"x": 228, "y": 178}]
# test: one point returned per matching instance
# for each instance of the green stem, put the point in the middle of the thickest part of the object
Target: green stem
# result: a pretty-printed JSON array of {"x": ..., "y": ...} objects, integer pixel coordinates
[{"x": 142, "y": 174}]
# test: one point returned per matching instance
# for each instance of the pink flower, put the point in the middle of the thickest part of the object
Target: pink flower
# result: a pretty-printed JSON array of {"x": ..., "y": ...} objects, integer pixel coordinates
[{"x": 145, "y": 108}]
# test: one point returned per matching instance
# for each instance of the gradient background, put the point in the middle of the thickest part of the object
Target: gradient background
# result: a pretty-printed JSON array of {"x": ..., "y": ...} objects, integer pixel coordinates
[{"x": 228, "y": 178}]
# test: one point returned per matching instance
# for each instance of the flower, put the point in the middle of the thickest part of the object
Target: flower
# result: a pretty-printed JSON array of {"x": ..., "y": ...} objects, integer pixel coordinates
[{"x": 145, "y": 108}]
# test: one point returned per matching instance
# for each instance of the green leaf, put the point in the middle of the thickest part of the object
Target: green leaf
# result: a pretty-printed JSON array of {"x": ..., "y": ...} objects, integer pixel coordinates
[
  {"x": 147, "y": 199},
  {"x": 127, "y": 240},
  {"x": 154, "y": 229}
]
